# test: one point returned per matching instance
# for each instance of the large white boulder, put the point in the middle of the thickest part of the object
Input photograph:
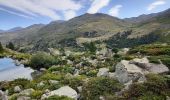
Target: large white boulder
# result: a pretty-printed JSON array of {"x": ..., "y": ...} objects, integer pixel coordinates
[
  {"x": 103, "y": 72},
  {"x": 136, "y": 70},
  {"x": 3, "y": 95},
  {"x": 27, "y": 92},
  {"x": 150, "y": 67},
  {"x": 63, "y": 91},
  {"x": 126, "y": 72},
  {"x": 17, "y": 89}
]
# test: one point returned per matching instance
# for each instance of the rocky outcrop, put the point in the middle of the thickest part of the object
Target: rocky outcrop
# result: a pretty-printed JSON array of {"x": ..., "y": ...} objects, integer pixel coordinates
[
  {"x": 3, "y": 96},
  {"x": 150, "y": 67},
  {"x": 63, "y": 91},
  {"x": 53, "y": 82},
  {"x": 126, "y": 72},
  {"x": 103, "y": 72},
  {"x": 136, "y": 70},
  {"x": 17, "y": 89},
  {"x": 27, "y": 92}
]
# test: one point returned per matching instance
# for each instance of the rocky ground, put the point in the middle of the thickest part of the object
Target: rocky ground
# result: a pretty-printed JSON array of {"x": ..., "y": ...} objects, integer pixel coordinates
[{"x": 106, "y": 74}]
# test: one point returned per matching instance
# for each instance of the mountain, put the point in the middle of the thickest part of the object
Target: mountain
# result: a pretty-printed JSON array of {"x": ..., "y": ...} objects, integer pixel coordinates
[
  {"x": 59, "y": 33},
  {"x": 1, "y": 31},
  {"x": 140, "y": 18},
  {"x": 91, "y": 27},
  {"x": 20, "y": 34},
  {"x": 14, "y": 29}
]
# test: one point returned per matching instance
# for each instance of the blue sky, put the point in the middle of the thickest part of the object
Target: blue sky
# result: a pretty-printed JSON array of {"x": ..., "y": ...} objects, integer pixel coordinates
[{"x": 14, "y": 13}]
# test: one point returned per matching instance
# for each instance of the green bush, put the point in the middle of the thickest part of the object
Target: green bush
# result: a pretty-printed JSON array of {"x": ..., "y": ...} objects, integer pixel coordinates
[
  {"x": 63, "y": 69},
  {"x": 50, "y": 76},
  {"x": 59, "y": 98},
  {"x": 155, "y": 88},
  {"x": 1, "y": 48},
  {"x": 92, "y": 73},
  {"x": 36, "y": 94},
  {"x": 11, "y": 46},
  {"x": 73, "y": 82},
  {"x": 42, "y": 60},
  {"x": 100, "y": 86}
]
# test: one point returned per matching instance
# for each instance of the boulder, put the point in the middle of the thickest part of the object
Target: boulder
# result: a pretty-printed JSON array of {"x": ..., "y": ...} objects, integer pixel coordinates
[
  {"x": 27, "y": 92},
  {"x": 23, "y": 98},
  {"x": 103, "y": 72},
  {"x": 17, "y": 89},
  {"x": 3, "y": 95},
  {"x": 123, "y": 51},
  {"x": 53, "y": 82},
  {"x": 41, "y": 84},
  {"x": 126, "y": 72},
  {"x": 43, "y": 69},
  {"x": 80, "y": 88},
  {"x": 111, "y": 75},
  {"x": 54, "y": 51},
  {"x": 69, "y": 62},
  {"x": 76, "y": 72},
  {"x": 63, "y": 91},
  {"x": 150, "y": 67}
]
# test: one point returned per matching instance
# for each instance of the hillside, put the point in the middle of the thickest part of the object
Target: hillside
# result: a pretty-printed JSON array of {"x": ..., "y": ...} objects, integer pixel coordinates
[{"x": 90, "y": 27}]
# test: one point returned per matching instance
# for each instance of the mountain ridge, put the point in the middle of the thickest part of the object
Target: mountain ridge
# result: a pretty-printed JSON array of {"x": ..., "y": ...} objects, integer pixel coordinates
[{"x": 86, "y": 28}]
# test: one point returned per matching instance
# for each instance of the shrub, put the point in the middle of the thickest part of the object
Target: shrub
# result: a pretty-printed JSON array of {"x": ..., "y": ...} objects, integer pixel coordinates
[
  {"x": 59, "y": 98},
  {"x": 73, "y": 82},
  {"x": 1, "y": 48},
  {"x": 100, "y": 86},
  {"x": 42, "y": 60},
  {"x": 36, "y": 94},
  {"x": 115, "y": 50},
  {"x": 92, "y": 73},
  {"x": 155, "y": 88},
  {"x": 156, "y": 83},
  {"x": 64, "y": 69},
  {"x": 10, "y": 45},
  {"x": 90, "y": 47},
  {"x": 50, "y": 76}
]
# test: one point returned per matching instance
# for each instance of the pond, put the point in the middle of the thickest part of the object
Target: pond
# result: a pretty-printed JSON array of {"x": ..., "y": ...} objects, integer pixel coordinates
[{"x": 9, "y": 71}]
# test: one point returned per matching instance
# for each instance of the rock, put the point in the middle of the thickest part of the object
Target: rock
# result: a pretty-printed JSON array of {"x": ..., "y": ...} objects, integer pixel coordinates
[
  {"x": 43, "y": 69},
  {"x": 123, "y": 51},
  {"x": 76, "y": 72},
  {"x": 63, "y": 91},
  {"x": 111, "y": 75},
  {"x": 27, "y": 92},
  {"x": 53, "y": 82},
  {"x": 3, "y": 96},
  {"x": 36, "y": 74},
  {"x": 101, "y": 98},
  {"x": 69, "y": 62},
  {"x": 41, "y": 84},
  {"x": 68, "y": 53},
  {"x": 167, "y": 98},
  {"x": 54, "y": 52},
  {"x": 47, "y": 91},
  {"x": 17, "y": 89},
  {"x": 17, "y": 63},
  {"x": 80, "y": 88},
  {"x": 126, "y": 72},
  {"x": 150, "y": 67},
  {"x": 103, "y": 72},
  {"x": 23, "y": 98}
]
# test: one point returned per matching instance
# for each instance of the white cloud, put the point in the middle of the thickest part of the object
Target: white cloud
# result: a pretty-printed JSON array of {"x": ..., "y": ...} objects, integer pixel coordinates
[
  {"x": 97, "y": 5},
  {"x": 48, "y": 8},
  {"x": 156, "y": 4},
  {"x": 14, "y": 13},
  {"x": 115, "y": 10},
  {"x": 69, "y": 14}
]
